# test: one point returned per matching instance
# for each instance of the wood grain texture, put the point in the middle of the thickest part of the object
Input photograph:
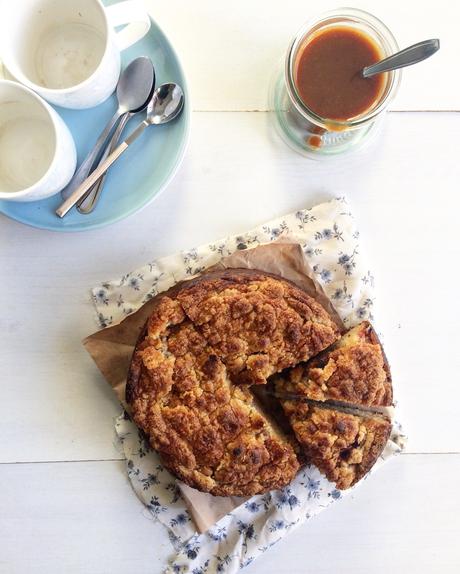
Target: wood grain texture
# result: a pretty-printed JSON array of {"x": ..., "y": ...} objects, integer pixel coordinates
[
  {"x": 75, "y": 518},
  {"x": 83, "y": 518},
  {"x": 231, "y": 50},
  {"x": 403, "y": 192},
  {"x": 397, "y": 521}
]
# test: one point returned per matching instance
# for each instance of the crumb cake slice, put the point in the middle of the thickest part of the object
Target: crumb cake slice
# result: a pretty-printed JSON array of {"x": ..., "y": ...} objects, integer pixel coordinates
[
  {"x": 353, "y": 370},
  {"x": 343, "y": 443}
]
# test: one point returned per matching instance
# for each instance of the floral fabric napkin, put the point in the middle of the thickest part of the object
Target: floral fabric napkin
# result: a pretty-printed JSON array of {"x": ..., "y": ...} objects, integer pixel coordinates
[{"x": 330, "y": 242}]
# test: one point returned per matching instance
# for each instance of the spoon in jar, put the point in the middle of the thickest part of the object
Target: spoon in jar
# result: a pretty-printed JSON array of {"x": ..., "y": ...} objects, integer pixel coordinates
[
  {"x": 166, "y": 104},
  {"x": 406, "y": 57},
  {"x": 134, "y": 85}
]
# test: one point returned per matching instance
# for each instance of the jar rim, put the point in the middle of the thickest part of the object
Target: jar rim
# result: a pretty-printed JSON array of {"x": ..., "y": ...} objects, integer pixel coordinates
[{"x": 386, "y": 41}]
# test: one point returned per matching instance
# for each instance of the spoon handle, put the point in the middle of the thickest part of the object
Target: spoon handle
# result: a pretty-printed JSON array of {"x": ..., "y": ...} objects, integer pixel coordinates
[
  {"x": 406, "y": 57},
  {"x": 91, "y": 180},
  {"x": 82, "y": 172},
  {"x": 88, "y": 202}
]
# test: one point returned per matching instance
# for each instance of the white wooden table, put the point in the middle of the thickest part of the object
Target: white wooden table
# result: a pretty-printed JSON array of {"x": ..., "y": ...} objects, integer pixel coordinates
[{"x": 65, "y": 502}]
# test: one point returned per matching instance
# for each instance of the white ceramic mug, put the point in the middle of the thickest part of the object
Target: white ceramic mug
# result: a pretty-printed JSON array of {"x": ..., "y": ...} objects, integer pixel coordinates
[
  {"x": 67, "y": 50},
  {"x": 37, "y": 152}
]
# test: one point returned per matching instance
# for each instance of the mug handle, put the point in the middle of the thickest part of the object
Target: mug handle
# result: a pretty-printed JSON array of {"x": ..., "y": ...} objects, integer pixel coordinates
[
  {"x": 5, "y": 74},
  {"x": 134, "y": 15}
]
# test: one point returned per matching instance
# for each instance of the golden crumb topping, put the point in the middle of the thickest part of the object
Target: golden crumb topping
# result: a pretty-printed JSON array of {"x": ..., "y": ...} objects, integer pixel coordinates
[
  {"x": 344, "y": 446},
  {"x": 354, "y": 370},
  {"x": 204, "y": 343}
]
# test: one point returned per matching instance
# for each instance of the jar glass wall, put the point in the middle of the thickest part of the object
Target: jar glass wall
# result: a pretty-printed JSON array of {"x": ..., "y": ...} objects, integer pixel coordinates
[{"x": 301, "y": 127}]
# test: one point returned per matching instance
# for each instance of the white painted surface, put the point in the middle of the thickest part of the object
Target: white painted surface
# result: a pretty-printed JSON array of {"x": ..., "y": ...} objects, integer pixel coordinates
[
  {"x": 236, "y": 176},
  {"x": 75, "y": 518},
  {"x": 230, "y": 49},
  {"x": 82, "y": 517}
]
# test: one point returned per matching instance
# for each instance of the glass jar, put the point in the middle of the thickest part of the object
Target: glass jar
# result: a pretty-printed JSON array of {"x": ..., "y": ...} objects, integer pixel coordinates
[{"x": 309, "y": 133}]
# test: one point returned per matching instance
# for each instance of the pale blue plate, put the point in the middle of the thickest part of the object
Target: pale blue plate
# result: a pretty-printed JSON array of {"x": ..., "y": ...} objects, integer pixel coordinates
[{"x": 141, "y": 173}]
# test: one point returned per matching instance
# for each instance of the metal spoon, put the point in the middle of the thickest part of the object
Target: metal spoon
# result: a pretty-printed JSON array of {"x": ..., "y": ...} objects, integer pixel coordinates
[
  {"x": 406, "y": 57},
  {"x": 131, "y": 95},
  {"x": 88, "y": 202},
  {"x": 166, "y": 104}
]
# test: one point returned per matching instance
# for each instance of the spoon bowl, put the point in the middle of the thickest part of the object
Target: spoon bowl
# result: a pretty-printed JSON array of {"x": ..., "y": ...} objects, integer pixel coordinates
[
  {"x": 166, "y": 104},
  {"x": 136, "y": 84}
]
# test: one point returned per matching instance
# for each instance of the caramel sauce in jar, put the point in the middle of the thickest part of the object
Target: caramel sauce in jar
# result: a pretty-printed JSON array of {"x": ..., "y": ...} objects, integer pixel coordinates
[
  {"x": 323, "y": 107},
  {"x": 327, "y": 73}
]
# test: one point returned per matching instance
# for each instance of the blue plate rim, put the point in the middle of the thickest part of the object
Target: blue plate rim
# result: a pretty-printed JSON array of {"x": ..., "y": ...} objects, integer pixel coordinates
[{"x": 150, "y": 199}]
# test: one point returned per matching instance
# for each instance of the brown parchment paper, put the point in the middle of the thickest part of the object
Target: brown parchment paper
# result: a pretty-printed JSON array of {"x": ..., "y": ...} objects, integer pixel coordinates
[{"x": 111, "y": 349}]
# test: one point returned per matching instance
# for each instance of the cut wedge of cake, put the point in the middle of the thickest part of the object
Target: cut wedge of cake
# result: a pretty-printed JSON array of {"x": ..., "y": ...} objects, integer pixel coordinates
[
  {"x": 343, "y": 443},
  {"x": 354, "y": 370}
]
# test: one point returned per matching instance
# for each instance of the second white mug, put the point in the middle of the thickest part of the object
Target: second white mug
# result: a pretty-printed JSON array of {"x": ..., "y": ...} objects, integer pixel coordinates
[
  {"x": 69, "y": 52},
  {"x": 37, "y": 152}
]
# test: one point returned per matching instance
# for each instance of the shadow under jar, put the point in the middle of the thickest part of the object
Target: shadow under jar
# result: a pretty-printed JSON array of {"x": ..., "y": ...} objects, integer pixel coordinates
[{"x": 323, "y": 106}]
